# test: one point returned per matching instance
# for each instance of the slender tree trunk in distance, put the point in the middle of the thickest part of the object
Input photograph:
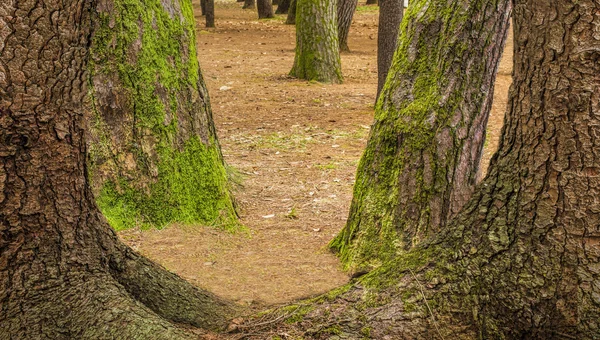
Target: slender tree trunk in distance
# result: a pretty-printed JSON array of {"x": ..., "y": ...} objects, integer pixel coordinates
[
  {"x": 291, "y": 18},
  {"x": 210, "y": 13},
  {"x": 372, "y": 2},
  {"x": 275, "y": 2},
  {"x": 203, "y": 6},
  {"x": 283, "y": 7},
  {"x": 317, "y": 51},
  {"x": 265, "y": 9},
  {"x": 345, "y": 12},
  {"x": 422, "y": 158},
  {"x": 390, "y": 17},
  {"x": 63, "y": 271},
  {"x": 249, "y": 4}
]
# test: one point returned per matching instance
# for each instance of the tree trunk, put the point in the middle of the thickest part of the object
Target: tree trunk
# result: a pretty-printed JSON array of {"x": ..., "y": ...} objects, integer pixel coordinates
[
  {"x": 372, "y": 2},
  {"x": 317, "y": 52},
  {"x": 249, "y": 4},
  {"x": 283, "y": 7},
  {"x": 522, "y": 258},
  {"x": 275, "y": 2},
  {"x": 203, "y": 7},
  {"x": 291, "y": 18},
  {"x": 390, "y": 17},
  {"x": 153, "y": 151},
  {"x": 64, "y": 274},
  {"x": 210, "y": 13},
  {"x": 345, "y": 12},
  {"x": 265, "y": 9},
  {"x": 422, "y": 157}
]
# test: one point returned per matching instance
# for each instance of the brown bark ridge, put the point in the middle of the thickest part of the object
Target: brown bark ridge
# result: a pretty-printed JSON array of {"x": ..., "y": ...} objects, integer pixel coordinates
[
  {"x": 317, "y": 51},
  {"x": 210, "y": 13},
  {"x": 265, "y": 9},
  {"x": 422, "y": 158},
  {"x": 291, "y": 18},
  {"x": 249, "y": 4},
  {"x": 390, "y": 17},
  {"x": 283, "y": 7},
  {"x": 521, "y": 260},
  {"x": 345, "y": 12},
  {"x": 63, "y": 272}
]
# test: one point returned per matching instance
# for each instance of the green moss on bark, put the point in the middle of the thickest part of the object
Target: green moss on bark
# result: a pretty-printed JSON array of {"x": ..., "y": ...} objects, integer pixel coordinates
[{"x": 154, "y": 156}]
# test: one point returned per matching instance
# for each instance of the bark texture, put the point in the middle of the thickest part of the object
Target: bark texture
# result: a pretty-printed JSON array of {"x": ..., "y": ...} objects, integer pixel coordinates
[
  {"x": 210, "y": 13},
  {"x": 64, "y": 274},
  {"x": 317, "y": 52},
  {"x": 291, "y": 18},
  {"x": 283, "y": 7},
  {"x": 153, "y": 151},
  {"x": 390, "y": 17},
  {"x": 265, "y": 9},
  {"x": 522, "y": 258},
  {"x": 345, "y": 12},
  {"x": 420, "y": 165}
]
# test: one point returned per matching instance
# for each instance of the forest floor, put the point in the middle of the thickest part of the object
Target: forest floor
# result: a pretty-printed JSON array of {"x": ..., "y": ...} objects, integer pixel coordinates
[{"x": 294, "y": 147}]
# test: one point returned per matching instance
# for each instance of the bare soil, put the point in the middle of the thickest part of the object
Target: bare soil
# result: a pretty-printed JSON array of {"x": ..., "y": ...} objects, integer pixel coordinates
[{"x": 294, "y": 147}]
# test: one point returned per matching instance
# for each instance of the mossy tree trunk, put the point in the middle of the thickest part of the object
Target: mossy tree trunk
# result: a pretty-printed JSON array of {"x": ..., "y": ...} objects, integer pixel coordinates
[
  {"x": 153, "y": 151},
  {"x": 422, "y": 157},
  {"x": 317, "y": 51},
  {"x": 521, "y": 260},
  {"x": 291, "y": 18},
  {"x": 345, "y": 12},
  {"x": 265, "y": 9},
  {"x": 390, "y": 17},
  {"x": 64, "y": 274},
  {"x": 283, "y": 7}
]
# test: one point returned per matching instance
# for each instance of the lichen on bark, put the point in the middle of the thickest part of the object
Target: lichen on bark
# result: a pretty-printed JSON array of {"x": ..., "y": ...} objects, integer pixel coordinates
[{"x": 153, "y": 151}]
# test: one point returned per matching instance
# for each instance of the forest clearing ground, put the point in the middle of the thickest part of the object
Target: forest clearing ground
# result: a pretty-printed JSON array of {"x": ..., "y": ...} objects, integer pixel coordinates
[{"x": 294, "y": 145}]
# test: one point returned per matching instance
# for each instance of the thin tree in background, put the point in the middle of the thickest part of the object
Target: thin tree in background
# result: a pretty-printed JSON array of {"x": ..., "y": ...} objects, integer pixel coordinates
[
  {"x": 265, "y": 9},
  {"x": 210, "y": 13},
  {"x": 291, "y": 17},
  {"x": 249, "y": 4},
  {"x": 317, "y": 51},
  {"x": 283, "y": 7},
  {"x": 390, "y": 17},
  {"x": 345, "y": 12}
]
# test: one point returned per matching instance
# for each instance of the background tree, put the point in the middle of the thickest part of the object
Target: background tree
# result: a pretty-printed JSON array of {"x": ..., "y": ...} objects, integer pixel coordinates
[
  {"x": 203, "y": 6},
  {"x": 63, "y": 271},
  {"x": 317, "y": 51},
  {"x": 390, "y": 17},
  {"x": 265, "y": 9},
  {"x": 249, "y": 4},
  {"x": 423, "y": 153},
  {"x": 153, "y": 152},
  {"x": 283, "y": 7},
  {"x": 345, "y": 12},
  {"x": 210, "y": 13},
  {"x": 291, "y": 18}
]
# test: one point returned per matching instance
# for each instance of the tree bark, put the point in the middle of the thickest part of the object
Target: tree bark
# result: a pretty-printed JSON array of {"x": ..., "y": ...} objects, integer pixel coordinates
[
  {"x": 249, "y": 4},
  {"x": 345, "y": 12},
  {"x": 154, "y": 157},
  {"x": 317, "y": 51},
  {"x": 421, "y": 161},
  {"x": 283, "y": 7},
  {"x": 372, "y": 2},
  {"x": 291, "y": 18},
  {"x": 210, "y": 13},
  {"x": 265, "y": 9},
  {"x": 63, "y": 271},
  {"x": 390, "y": 17},
  {"x": 203, "y": 7},
  {"x": 522, "y": 258}
]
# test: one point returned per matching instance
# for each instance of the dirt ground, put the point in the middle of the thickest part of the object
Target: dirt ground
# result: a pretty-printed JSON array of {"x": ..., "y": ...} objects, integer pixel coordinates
[{"x": 294, "y": 146}]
